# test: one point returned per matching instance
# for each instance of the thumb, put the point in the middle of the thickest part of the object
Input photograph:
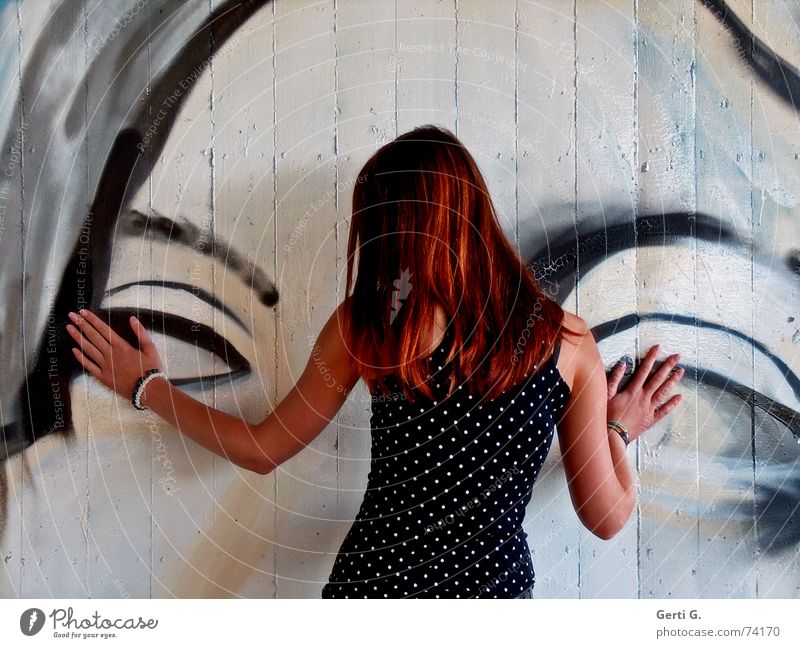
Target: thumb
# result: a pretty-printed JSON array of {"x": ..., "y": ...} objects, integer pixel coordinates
[
  {"x": 145, "y": 343},
  {"x": 616, "y": 376}
]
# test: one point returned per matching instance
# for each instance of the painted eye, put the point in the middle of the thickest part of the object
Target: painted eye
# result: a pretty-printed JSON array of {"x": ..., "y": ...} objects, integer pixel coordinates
[
  {"x": 733, "y": 471},
  {"x": 196, "y": 352}
]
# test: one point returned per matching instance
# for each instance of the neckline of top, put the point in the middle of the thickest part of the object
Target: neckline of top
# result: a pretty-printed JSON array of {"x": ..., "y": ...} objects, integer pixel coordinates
[
  {"x": 552, "y": 360},
  {"x": 445, "y": 339}
]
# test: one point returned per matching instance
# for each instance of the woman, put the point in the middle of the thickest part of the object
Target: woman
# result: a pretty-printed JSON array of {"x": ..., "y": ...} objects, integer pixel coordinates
[{"x": 463, "y": 354}]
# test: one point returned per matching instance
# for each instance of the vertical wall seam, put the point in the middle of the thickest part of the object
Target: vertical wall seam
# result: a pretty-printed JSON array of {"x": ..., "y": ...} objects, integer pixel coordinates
[
  {"x": 575, "y": 193},
  {"x": 86, "y": 512},
  {"x": 396, "y": 74},
  {"x": 150, "y": 249},
  {"x": 212, "y": 233},
  {"x": 22, "y": 112},
  {"x": 455, "y": 78},
  {"x": 274, "y": 475},
  {"x": 516, "y": 123},
  {"x": 575, "y": 148},
  {"x": 751, "y": 403},
  {"x": 635, "y": 189},
  {"x": 695, "y": 250},
  {"x": 337, "y": 424}
]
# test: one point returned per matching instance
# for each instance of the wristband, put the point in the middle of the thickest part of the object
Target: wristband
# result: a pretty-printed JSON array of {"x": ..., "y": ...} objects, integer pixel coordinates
[
  {"x": 620, "y": 429},
  {"x": 141, "y": 383}
]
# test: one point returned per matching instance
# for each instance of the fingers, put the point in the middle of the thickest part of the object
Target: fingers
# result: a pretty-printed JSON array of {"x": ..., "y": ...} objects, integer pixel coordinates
[
  {"x": 87, "y": 347},
  {"x": 104, "y": 329},
  {"x": 664, "y": 390},
  {"x": 662, "y": 410},
  {"x": 91, "y": 333},
  {"x": 145, "y": 343},
  {"x": 659, "y": 378},
  {"x": 643, "y": 371},
  {"x": 616, "y": 376},
  {"x": 90, "y": 366}
]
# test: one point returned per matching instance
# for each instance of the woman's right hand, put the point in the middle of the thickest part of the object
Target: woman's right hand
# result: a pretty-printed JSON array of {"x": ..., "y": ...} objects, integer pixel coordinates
[{"x": 639, "y": 405}]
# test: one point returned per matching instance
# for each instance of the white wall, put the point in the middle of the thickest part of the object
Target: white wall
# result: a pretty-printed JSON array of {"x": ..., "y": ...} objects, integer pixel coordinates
[{"x": 583, "y": 117}]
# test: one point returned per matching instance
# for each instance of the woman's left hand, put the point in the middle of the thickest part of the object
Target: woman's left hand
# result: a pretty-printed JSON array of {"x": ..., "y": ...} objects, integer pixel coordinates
[{"x": 107, "y": 356}]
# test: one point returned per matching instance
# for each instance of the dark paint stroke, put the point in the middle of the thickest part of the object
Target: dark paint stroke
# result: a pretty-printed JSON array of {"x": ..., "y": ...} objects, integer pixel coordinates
[
  {"x": 186, "y": 330},
  {"x": 558, "y": 265},
  {"x": 778, "y": 518},
  {"x": 45, "y": 402},
  {"x": 196, "y": 291},
  {"x": 775, "y": 72},
  {"x": 44, "y": 396},
  {"x": 558, "y": 262},
  {"x": 780, "y": 76},
  {"x": 187, "y": 234},
  {"x": 784, "y": 415},
  {"x": 776, "y": 522}
]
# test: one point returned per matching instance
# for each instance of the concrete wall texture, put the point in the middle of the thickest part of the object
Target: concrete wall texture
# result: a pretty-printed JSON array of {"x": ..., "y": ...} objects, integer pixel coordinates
[{"x": 196, "y": 160}]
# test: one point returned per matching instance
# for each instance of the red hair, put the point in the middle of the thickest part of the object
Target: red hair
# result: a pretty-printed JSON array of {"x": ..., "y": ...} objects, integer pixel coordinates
[{"x": 425, "y": 232}]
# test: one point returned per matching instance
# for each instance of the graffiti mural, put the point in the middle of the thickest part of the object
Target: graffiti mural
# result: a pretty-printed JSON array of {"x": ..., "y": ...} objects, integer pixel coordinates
[{"x": 193, "y": 163}]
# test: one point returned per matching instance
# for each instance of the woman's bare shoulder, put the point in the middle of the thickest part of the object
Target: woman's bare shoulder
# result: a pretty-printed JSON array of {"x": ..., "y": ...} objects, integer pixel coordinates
[
  {"x": 573, "y": 347},
  {"x": 574, "y": 322}
]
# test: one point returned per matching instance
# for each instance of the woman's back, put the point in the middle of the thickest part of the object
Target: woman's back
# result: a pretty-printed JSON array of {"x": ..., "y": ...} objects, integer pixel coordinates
[
  {"x": 450, "y": 480},
  {"x": 422, "y": 223}
]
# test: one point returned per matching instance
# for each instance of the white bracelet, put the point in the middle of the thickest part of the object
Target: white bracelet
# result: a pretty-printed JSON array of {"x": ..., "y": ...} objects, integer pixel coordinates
[{"x": 141, "y": 384}]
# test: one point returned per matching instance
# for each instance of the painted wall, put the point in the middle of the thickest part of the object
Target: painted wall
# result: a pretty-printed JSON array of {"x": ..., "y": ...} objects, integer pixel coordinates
[{"x": 195, "y": 160}]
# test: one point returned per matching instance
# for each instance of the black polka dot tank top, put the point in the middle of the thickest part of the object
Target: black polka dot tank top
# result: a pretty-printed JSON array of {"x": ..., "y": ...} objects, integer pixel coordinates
[{"x": 450, "y": 478}]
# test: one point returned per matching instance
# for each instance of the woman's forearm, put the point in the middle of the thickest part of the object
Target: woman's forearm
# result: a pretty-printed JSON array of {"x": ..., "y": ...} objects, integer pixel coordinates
[
  {"x": 622, "y": 465},
  {"x": 226, "y": 435}
]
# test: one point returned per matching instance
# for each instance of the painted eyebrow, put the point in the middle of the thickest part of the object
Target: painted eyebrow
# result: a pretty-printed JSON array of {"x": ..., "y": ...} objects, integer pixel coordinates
[
  {"x": 186, "y": 234},
  {"x": 194, "y": 290}
]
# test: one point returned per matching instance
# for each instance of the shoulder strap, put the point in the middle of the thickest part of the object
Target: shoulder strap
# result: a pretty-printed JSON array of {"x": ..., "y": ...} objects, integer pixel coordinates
[{"x": 556, "y": 350}]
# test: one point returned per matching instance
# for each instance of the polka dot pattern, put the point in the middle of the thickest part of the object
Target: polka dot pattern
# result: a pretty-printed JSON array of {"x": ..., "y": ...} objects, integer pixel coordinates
[{"x": 450, "y": 478}]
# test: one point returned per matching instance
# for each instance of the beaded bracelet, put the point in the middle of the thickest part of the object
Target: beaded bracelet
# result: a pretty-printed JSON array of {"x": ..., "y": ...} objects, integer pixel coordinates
[
  {"x": 141, "y": 383},
  {"x": 620, "y": 429}
]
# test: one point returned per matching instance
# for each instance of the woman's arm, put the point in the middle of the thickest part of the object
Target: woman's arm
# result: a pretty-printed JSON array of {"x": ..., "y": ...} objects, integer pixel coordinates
[
  {"x": 599, "y": 477},
  {"x": 324, "y": 385}
]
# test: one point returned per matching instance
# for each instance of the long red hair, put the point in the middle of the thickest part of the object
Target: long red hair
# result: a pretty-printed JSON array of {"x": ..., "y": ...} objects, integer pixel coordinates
[{"x": 424, "y": 231}]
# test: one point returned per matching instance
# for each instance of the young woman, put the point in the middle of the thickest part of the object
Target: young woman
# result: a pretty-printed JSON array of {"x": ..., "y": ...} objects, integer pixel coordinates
[{"x": 463, "y": 354}]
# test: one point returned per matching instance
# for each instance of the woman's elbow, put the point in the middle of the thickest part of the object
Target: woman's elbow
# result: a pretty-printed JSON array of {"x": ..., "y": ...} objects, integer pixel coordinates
[
  {"x": 263, "y": 467},
  {"x": 612, "y": 524},
  {"x": 259, "y": 464},
  {"x": 606, "y": 531}
]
